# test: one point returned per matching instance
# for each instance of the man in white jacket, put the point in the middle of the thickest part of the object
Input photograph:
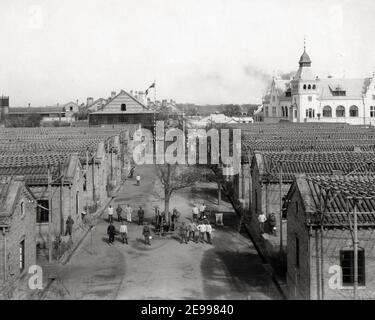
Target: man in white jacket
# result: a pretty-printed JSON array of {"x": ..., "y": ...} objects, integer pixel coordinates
[
  {"x": 128, "y": 212},
  {"x": 209, "y": 232},
  {"x": 124, "y": 232}
]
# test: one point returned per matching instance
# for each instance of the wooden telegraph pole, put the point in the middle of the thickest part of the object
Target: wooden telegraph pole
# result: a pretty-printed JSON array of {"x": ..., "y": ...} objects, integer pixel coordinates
[
  {"x": 355, "y": 245},
  {"x": 281, "y": 207},
  {"x": 49, "y": 215}
]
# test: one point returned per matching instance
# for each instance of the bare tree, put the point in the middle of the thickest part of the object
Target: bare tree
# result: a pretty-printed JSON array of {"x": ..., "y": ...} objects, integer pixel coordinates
[{"x": 174, "y": 177}]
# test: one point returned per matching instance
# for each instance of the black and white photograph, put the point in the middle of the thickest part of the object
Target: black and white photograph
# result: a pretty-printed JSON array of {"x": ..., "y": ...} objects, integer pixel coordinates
[{"x": 205, "y": 153}]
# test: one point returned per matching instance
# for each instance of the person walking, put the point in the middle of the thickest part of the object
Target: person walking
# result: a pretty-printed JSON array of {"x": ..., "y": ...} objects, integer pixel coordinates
[
  {"x": 119, "y": 213},
  {"x": 195, "y": 213},
  {"x": 110, "y": 214},
  {"x": 128, "y": 212},
  {"x": 202, "y": 230},
  {"x": 183, "y": 232},
  {"x": 141, "y": 215},
  {"x": 69, "y": 226},
  {"x": 209, "y": 232},
  {"x": 124, "y": 232},
  {"x": 138, "y": 180},
  {"x": 147, "y": 234},
  {"x": 262, "y": 219},
  {"x": 111, "y": 231}
]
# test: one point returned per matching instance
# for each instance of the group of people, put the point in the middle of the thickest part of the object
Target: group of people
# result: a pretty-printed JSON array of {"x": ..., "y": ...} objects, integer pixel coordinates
[
  {"x": 270, "y": 220},
  {"x": 123, "y": 231},
  {"x": 195, "y": 232},
  {"x": 165, "y": 223},
  {"x": 199, "y": 213},
  {"x": 128, "y": 214}
]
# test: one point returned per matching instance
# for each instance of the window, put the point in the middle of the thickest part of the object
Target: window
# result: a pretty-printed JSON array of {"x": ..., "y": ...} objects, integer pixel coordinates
[
  {"x": 314, "y": 86},
  {"x": 123, "y": 107},
  {"x": 309, "y": 87},
  {"x": 22, "y": 255},
  {"x": 327, "y": 112},
  {"x": 297, "y": 252},
  {"x": 42, "y": 211},
  {"x": 347, "y": 266},
  {"x": 310, "y": 113},
  {"x": 84, "y": 183},
  {"x": 286, "y": 111},
  {"x": 353, "y": 111},
  {"x": 309, "y": 98},
  {"x": 71, "y": 108},
  {"x": 372, "y": 111},
  {"x": 340, "y": 111},
  {"x": 304, "y": 87}
]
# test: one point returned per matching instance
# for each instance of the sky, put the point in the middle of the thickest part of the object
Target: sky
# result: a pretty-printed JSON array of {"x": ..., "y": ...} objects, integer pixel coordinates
[{"x": 198, "y": 51}]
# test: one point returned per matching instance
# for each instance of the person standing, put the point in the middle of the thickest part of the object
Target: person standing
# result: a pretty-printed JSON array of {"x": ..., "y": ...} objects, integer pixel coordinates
[
  {"x": 157, "y": 215},
  {"x": 272, "y": 223},
  {"x": 195, "y": 213},
  {"x": 147, "y": 235},
  {"x": 174, "y": 218},
  {"x": 138, "y": 180},
  {"x": 141, "y": 215},
  {"x": 69, "y": 226},
  {"x": 262, "y": 219},
  {"x": 128, "y": 212},
  {"x": 209, "y": 232},
  {"x": 111, "y": 231},
  {"x": 183, "y": 233},
  {"x": 124, "y": 232},
  {"x": 202, "y": 211},
  {"x": 110, "y": 214},
  {"x": 191, "y": 231},
  {"x": 202, "y": 231},
  {"x": 119, "y": 213}
]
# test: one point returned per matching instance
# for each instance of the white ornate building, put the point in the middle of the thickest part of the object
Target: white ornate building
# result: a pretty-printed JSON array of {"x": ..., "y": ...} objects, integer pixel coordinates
[{"x": 307, "y": 98}]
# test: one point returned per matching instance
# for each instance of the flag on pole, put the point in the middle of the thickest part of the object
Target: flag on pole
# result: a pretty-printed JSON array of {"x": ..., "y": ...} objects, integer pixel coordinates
[{"x": 152, "y": 86}]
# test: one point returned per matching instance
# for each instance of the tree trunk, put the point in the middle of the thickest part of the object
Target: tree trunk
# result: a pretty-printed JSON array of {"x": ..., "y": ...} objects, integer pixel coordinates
[{"x": 167, "y": 197}]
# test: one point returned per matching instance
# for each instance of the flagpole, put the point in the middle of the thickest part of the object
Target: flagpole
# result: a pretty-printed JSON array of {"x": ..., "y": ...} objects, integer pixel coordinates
[{"x": 155, "y": 92}]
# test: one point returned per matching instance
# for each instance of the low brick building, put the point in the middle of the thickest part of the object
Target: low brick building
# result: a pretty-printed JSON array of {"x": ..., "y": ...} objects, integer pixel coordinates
[
  {"x": 320, "y": 263},
  {"x": 17, "y": 230}
]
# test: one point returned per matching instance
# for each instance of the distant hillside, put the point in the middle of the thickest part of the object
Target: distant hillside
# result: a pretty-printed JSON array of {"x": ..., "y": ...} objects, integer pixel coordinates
[{"x": 228, "y": 109}]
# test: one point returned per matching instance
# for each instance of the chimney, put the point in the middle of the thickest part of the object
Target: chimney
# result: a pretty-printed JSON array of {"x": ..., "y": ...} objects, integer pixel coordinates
[
  {"x": 90, "y": 101},
  {"x": 136, "y": 94},
  {"x": 113, "y": 94},
  {"x": 131, "y": 93}
]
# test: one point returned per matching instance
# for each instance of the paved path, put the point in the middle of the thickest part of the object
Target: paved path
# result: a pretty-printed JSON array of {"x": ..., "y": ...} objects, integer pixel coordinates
[{"x": 228, "y": 269}]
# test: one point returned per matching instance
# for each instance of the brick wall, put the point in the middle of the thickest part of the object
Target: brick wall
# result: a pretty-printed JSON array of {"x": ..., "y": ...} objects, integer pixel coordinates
[
  {"x": 304, "y": 282},
  {"x": 22, "y": 227}
]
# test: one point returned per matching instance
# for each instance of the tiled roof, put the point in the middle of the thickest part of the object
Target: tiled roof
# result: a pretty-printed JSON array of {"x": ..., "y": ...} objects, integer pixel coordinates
[
  {"x": 340, "y": 200},
  {"x": 354, "y": 88},
  {"x": 37, "y": 110},
  {"x": 311, "y": 163}
]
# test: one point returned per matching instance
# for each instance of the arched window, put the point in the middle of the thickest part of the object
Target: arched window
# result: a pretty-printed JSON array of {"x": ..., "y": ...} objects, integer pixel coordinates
[
  {"x": 314, "y": 86},
  {"x": 286, "y": 111},
  {"x": 123, "y": 107},
  {"x": 309, "y": 87},
  {"x": 340, "y": 112},
  {"x": 304, "y": 87},
  {"x": 353, "y": 111},
  {"x": 282, "y": 111},
  {"x": 327, "y": 112}
]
